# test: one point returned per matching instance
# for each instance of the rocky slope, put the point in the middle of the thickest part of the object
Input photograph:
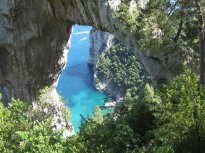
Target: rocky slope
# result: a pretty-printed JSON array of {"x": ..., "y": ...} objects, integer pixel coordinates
[{"x": 34, "y": 33}]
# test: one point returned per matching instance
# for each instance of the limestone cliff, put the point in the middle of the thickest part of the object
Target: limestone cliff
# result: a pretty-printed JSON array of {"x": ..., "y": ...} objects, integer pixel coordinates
[
  {"x": 33, "y": 34},
  {"x": 100, "y": 42}
]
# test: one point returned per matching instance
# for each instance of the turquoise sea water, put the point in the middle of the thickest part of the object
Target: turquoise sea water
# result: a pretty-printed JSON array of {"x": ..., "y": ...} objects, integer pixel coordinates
[{"x": 76, "y": 81}]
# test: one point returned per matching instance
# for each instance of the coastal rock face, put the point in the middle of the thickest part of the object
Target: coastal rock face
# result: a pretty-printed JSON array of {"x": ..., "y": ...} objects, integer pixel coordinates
[
  {"x": 108, "y": 87},
  {"x": 99, "y": 43},
  {"x": 33, "y": 34}
]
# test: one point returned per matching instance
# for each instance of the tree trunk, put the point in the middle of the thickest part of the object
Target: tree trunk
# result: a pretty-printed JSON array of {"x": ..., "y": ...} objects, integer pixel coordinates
[
  {"x": 201, "y": 31},
  {"x": 201, "y": 49},
  {"x": 179, "y": 30},
  {"x": 201, "y": 28}
]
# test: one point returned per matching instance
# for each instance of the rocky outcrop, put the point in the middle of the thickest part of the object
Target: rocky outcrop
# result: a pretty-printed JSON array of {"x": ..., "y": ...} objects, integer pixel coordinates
[
  {"x": 50, "y": 106},
  {"x": 100, "y": 42},
  {"x": 108, "y": 87},
  {"x": 34, "y": 33}
]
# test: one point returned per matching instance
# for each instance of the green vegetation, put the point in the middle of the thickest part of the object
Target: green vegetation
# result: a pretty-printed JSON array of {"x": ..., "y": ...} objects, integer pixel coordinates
[
  {"x": 167, "y": 26},
  {"x": 25, "y": 128},
  {"x": 182, "y": 104},
  {"x": 168, "y": 120},
  {"x": 122, "y": 68},
  {"x": 162, "y": 25},
  {"x": 171, "y": 119}
]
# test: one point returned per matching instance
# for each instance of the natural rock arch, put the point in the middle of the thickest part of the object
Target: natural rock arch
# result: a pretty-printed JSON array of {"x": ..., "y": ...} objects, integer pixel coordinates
[{"x": 34, "y": 32}]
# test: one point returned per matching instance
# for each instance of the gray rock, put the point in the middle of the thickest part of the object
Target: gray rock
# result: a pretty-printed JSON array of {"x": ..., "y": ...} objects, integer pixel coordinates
[{"x": 100, "y": 42}]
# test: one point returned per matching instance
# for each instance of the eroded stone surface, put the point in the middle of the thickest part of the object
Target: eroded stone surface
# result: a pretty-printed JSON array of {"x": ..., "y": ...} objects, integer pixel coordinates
[{"x": 31, "y": 47}]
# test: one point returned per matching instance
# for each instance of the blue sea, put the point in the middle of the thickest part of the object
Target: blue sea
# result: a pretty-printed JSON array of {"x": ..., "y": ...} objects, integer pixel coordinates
[{"x": 76, "y": 81}]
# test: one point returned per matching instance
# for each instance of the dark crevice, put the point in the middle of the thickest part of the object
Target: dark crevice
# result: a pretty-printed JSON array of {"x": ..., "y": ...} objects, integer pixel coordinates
[
  {"x": 156, "y": 59},
  {"x": 4, "y": 84}
]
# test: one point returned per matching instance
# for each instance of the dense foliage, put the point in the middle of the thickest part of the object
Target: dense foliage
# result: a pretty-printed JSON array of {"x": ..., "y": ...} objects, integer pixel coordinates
[
  {"x": 122, "y": 68},
  {"x": 166, "y": 121},
  {"x": 25, "y": 128},
  {"x": 170, "y": 120},
  {"x": 162, "y": 25},
  {"x": 182, "y": 109}
]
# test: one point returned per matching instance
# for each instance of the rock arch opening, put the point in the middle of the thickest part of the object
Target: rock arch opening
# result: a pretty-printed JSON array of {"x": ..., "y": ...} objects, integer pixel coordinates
[{"x": 37, "y": 31}]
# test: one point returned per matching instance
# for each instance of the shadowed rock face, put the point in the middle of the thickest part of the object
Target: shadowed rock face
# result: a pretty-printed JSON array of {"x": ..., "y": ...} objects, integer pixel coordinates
[
  {"x": 33, "y": 34},
  {"x": 31, "y": 47}
]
